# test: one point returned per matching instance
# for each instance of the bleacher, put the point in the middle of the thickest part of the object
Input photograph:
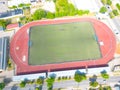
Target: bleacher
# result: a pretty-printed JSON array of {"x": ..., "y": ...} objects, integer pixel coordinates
[{"x": 3, "y": 53}]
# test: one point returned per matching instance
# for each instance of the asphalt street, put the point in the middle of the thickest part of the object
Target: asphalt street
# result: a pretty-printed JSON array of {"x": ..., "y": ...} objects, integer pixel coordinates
[
  {"x": 116, "y": 21},
  {"x": 70, "y": 83}
]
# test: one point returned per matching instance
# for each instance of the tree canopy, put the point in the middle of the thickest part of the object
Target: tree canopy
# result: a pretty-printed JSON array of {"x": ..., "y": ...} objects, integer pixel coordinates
[
  {"x": 39, "y": 81},
  {"x": 78, "y": 77},
  {"x": 115, "y": 12},
  {"x": 94, "y": 84},
  {"x": 39, "y": 14},
  {"x": 2, "y": 85},
  {"x": 63, "y": 8},
  {"x": 3, "y": 23},
  {"x": 108, "y": 2},
  {"x": 22, "y": 84},
  {"x": 118, "y": 6},
  {"x": 50, "y": 82},
  {"x": 103, "y": 9},
  {"x": 37, "y": 88},
  {"x": 105, "y": 75}
]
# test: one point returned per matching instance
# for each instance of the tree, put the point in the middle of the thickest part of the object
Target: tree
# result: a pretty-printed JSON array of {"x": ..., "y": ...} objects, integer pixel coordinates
[
  {"x": 104, "y": 2},
  {"x": 111, "y": 15},
  {"x": 2, "y": 85},
  {"x": 54, "y": 1},
  {"x": 37, "y": 88},
  {"x": 22, "y": 5},
  {"x": 50, "y": 15},
  {"x": 103, "y": 9},
  {"x": 118, "y": 6},
  {"x": 109, "y": 2},
  {"x": 50, "y": 82},
  {"x": 39, "y": 14},
  {"x": 79, "y": 77},
  {"x": 3, "y": 23},
  {"x": 13, "y": 7},
  {"x": 94, "y": 84},
  {"x": 115, "y": 12},
  {"x": 39, "y": 81},
  {"x": 104, "y": 75},
  {"x": 22, "y": 84}
]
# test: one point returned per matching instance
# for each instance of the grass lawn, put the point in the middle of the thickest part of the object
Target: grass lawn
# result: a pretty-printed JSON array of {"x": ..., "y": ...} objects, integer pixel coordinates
[{"x": 64, "y": 42}]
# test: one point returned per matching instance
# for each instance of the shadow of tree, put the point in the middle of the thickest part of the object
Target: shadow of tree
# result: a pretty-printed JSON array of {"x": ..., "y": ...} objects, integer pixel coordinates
[
  {"x": 116, "y": 85},
  {"x": 104, "y": 71},
  {"x": 40, "y": 87},
  {"x": 81, "y": 73},
  {"x": 14, "y": 87},
  {"x": 93, "y": 78},
  {"x": 53, "y": 75},
  {"x": 7, "y": 80}
]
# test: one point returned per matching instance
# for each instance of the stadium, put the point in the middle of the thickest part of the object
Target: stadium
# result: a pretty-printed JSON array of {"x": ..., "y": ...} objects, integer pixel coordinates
[{"x": 62, "y": 44}]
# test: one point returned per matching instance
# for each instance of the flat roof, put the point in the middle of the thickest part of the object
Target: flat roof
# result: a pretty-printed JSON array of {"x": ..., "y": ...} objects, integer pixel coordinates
[{"x": 3, "y": 52}]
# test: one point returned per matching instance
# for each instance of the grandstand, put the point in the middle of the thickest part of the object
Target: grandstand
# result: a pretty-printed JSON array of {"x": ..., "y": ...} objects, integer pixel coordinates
[{"x": 3, "y": 52}]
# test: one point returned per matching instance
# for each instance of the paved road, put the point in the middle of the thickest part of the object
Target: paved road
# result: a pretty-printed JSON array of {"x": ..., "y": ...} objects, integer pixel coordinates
[
  {"x": 116, "y": 21},
  {"x": 83, "y": 85},
  {"x": 7, "y": 33}
]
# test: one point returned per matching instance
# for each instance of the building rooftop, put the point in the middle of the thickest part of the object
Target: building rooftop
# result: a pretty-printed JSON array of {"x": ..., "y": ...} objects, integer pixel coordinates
[{"x": 3, "y": 52}]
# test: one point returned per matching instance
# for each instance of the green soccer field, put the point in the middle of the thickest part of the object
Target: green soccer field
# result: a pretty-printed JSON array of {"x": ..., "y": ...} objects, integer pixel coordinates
[{"x": 64, "y": 42}]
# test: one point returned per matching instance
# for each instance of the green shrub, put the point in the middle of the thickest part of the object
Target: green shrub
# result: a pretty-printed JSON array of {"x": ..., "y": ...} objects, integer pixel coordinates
[
  {"x": 63, "y": 77},
  {"x": 115, "y": 12},
  {"x": 69, "y": 77},
  {"x": 66, "y": 77},
  {"x": 59, "y": 78}
]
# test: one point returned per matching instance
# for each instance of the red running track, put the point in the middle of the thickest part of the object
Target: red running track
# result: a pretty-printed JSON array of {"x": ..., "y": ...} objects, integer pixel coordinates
[{"x": 19, "y": 47}]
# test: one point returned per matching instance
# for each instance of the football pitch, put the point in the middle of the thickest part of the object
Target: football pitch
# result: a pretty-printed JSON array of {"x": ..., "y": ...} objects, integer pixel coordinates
[{"x": 65, "y": 42}]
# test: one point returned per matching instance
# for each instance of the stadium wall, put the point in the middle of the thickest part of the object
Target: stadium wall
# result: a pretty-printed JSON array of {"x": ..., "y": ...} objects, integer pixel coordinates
[
  {"x": 89, "y": 71},
  {"x": 28, "y": 77}
]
